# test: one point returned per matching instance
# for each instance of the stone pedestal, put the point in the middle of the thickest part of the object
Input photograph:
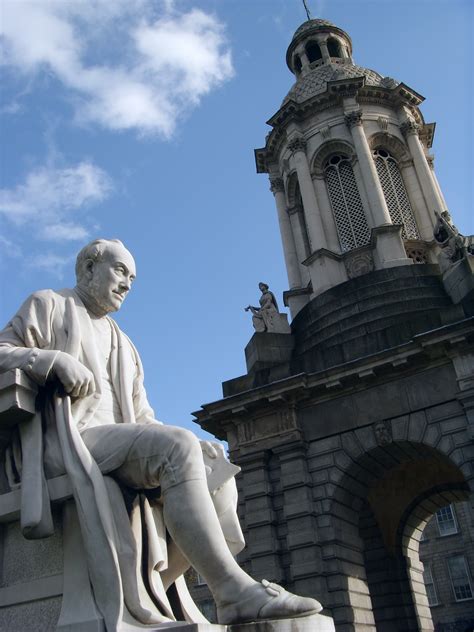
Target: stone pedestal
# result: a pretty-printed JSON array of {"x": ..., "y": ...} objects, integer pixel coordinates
[
  {"x": 458, "y": 282},
  {"x": 268, "y": 349},
  {"x": 316, "y": 623}
]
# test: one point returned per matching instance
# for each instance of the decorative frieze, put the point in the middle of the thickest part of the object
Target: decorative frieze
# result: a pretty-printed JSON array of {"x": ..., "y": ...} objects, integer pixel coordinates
[
  {"x": 353, "y": 118},
  {"x": 409, "y": 127},
  {"x": 297, "y": 144},
  {"x": 276, "y": 424},
  {"x": 276, "y": 185}
]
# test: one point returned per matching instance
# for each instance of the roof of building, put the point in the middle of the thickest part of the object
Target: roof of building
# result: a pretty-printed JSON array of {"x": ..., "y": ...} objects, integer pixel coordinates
[
  {"x": 315, "y": 81},
  {"x": 310, "y": 25}
]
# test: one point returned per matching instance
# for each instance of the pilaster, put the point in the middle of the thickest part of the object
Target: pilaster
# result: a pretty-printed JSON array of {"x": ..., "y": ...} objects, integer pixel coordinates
[
  {"x": 298, "y": 510},
  {"x": 298, "y": 228},
  {"x": 317, "y": 238},
  {"x": 464, "y": 367},
  {"x": 289, "y": 247},
  {"x": 259, "y": 516}
]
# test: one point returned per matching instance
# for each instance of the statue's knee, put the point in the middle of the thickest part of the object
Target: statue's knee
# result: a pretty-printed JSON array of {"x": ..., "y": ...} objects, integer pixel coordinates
[{"x": 186, "y": 441}]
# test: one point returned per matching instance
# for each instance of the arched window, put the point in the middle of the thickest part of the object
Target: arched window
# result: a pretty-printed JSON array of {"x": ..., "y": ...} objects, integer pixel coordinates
[
  {"x": 395, "y": 193},
  {"x": 297, "y": 64},
  {"x": 313, "y": 52},
  {"x": 334, "y": 48},
  {"x": 349, "y": 215}
]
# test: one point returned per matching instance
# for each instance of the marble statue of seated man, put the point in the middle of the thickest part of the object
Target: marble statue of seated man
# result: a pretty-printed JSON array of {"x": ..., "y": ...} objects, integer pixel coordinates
[{"x": 139, "y": 486}]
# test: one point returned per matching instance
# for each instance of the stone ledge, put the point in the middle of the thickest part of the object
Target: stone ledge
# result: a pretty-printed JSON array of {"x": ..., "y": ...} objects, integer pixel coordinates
[{"x": 316, "y": 623}]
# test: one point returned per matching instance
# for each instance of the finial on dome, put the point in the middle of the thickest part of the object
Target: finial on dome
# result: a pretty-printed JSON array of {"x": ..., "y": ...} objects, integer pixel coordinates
[{"x": 308, "y": 14}]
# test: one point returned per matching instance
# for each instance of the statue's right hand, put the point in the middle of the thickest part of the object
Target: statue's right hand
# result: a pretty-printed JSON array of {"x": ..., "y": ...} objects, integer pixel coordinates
[{"x": 77, "y": 380}]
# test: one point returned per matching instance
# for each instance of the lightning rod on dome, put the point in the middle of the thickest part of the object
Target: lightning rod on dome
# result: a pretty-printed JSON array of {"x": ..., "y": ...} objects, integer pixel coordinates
[{"x": 308, "y": 14}]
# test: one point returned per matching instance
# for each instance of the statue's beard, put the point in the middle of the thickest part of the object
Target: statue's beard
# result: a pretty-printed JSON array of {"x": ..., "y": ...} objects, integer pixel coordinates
[{"x": 95, "y": 298}]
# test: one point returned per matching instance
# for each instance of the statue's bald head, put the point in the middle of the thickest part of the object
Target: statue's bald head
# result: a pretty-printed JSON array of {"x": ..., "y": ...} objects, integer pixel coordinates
[{"x": 94, "y": 251}]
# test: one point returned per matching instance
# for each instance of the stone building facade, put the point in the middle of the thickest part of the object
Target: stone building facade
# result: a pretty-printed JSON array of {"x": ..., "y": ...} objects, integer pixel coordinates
[
  {"x": 447, "y": 553},
  {"x": 353, "y": 430}
]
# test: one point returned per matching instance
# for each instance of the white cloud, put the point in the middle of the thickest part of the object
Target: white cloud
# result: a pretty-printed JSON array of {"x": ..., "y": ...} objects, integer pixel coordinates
[
  {"x": 66, "y": 231},
  {"x": 49, "y": 197},
  {"x": 127, "y": 68},
  {"x": 9, "y": 249},
  {"x": 50, "y": 262}
]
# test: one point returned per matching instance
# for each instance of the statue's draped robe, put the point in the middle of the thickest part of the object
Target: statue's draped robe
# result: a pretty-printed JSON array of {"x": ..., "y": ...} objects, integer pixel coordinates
[{"x": 49, "y": 322}]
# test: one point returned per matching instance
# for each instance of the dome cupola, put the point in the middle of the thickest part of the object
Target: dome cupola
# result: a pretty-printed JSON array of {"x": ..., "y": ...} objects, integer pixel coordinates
[{"x": 316, "y": 43}]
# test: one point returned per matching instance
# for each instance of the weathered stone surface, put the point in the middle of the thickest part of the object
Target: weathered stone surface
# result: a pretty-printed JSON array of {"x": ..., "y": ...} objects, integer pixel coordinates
[{"x": 316, "y": 623}]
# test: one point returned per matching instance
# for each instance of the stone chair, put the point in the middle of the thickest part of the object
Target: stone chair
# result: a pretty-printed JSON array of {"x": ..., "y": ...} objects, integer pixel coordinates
[{"x": 44, "y": 583}]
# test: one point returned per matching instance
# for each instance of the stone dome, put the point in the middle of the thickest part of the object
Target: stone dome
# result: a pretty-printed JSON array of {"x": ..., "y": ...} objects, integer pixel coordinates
[
  {"x": 315, "y": 81},
  {"x": 309, "y": 25}
]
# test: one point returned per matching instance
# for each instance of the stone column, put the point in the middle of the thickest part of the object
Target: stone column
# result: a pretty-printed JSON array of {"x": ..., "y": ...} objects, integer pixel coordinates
[
  {"x": 324, "y": 50},
  {"x": 378, "y": 206},
  {"x": 289, "y": 247},
  {"x": 410, "y": 130},
  {"x": 424, "y": 219},
  {"x": 296, "y": 216},
  {"x": 326, "y": 212},
  {"x": 312, "y": 215},
  {"x": 389, "y": 248},
  {"x": 436, "y": 181}
]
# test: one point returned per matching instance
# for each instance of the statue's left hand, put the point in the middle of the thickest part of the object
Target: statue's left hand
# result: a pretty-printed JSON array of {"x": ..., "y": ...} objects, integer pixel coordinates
[{"x": 213, "y": 449}]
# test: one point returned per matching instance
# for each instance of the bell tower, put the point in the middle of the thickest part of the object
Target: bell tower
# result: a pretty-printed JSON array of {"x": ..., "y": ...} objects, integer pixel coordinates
[
  {"x": 356, "y": 425},
  {"x": 349, "y": 166}
]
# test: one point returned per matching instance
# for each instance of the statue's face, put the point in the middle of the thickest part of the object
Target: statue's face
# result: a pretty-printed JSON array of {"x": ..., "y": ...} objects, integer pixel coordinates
[{"x": 111, "y": 278}]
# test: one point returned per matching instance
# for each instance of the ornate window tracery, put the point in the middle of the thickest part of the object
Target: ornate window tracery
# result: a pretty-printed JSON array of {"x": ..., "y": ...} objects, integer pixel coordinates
[
  {"x": 347, "y": 207},
  {"x": 395, "y": 193}
]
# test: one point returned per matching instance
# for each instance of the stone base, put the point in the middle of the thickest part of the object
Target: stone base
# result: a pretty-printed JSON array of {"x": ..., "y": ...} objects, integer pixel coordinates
[
  {"x": 458, "y": 282},
  {"x": 316, "y": 623},
  {"x": 268, "y": 349}
]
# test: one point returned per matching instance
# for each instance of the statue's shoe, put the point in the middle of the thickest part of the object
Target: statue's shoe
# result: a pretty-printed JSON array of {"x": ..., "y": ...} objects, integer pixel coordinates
[{"x": 268, "y": 601}]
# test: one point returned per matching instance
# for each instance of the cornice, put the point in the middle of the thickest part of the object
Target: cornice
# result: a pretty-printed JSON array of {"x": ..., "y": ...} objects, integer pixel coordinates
[
  {"x": 291, "y": 111},
  {"x": 432, "y": 348}
]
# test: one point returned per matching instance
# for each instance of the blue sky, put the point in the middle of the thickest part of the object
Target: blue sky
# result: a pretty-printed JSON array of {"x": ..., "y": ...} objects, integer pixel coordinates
[{"x": 138, "y": 119}]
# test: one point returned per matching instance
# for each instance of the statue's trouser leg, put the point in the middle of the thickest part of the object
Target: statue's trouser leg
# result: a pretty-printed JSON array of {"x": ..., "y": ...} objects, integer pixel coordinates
[
  {"x": 190, "y": 516},
  {"x": 171, "y": 458}
]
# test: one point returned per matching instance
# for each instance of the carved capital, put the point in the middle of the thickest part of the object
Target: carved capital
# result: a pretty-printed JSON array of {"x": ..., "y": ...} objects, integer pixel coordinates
[
  {"x": 409, "y": 127},
  {"x": 353, "y": 118},
  {"x": 293, "y": 210},
  {"x": 297, "y": 144},
  {"x": 276, "y": 185},
  {"x": 325, "y": 132},
  {"x": 383, "y": 123}
]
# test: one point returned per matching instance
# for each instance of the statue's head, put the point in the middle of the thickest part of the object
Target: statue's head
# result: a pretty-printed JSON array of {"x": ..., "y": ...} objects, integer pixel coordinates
[
  {"x": 105, "y": 271},
  {"x": 263, "y": 287}
]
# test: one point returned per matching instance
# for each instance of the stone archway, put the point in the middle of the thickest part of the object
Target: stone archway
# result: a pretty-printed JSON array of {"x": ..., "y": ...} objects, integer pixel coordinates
[{"x": 379, "y": 508}]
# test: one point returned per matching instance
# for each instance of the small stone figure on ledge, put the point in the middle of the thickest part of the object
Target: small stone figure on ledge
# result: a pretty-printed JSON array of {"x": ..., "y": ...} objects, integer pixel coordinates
[
  {"x": 454, "y": 246},
  {"x": 267, "y": 318}
]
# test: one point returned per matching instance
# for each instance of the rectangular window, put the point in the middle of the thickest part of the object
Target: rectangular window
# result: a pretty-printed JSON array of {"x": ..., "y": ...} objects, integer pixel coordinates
[
  {"x": 446, "y": 521},
  {"x": 460, "y": 580},
  {"x": 200, "y": 581},
  {"x": 430, "y": 587}
]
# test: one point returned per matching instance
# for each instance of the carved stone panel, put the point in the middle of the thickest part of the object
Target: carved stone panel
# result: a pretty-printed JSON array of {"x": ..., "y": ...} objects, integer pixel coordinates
[
  {"x": 277, "y": 423},
  {"x": 359, "y": 264}
]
